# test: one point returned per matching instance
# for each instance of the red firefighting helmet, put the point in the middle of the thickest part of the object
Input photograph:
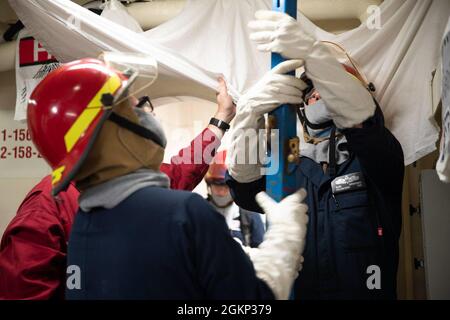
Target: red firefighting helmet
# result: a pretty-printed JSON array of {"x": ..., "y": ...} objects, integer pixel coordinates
[
  {"x": 217, "y": 169},
  {"x": 67, "y": 110}
]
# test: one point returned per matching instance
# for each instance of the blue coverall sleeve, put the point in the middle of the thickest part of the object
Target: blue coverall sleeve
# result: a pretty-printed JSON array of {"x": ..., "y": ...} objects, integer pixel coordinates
[
  {"x": 378, "y": 151},
  {"x": 244, "y": 193},
  {"x": 258, "y": 229},
  {"x": 224, "y": 270}
]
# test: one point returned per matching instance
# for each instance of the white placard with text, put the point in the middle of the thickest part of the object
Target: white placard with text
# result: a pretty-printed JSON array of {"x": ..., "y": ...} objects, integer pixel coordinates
[{"x": 18, "y": 156}]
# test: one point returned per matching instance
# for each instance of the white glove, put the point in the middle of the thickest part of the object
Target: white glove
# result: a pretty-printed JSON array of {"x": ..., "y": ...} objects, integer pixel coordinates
[
  {"x": 345, "y": 97},
  {"x": 273, "y": 90},
  {"x": 278, "y": 259},
  {"x": 348, "y": 101},
  {"x": 278, "y": 32}
]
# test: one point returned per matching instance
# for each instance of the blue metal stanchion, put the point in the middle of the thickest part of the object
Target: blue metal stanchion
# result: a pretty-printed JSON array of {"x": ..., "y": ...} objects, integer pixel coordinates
[{"x": 283, "y": 183}]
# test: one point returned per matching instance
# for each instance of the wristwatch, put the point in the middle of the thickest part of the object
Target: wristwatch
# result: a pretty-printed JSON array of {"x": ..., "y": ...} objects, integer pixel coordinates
[{"x": 219, "y": 124}]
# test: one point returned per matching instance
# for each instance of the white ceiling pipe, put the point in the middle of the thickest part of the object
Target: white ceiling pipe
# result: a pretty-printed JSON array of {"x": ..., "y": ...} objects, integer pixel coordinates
[
  {"x": 7, "y": 56},
  {"x": 7, "y": 15},
  {"x": 317, "y": 10},
  {"x": 3, "y": 28}
]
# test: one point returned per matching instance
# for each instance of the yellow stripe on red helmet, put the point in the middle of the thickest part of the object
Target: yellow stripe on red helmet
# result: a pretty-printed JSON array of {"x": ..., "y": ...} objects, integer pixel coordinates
[{"x": 90, "y": 113}]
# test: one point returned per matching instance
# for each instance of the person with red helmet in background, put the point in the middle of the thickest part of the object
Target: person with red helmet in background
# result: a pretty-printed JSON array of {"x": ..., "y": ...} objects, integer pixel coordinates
[
  {"x": 350, "y": 164},
  {"x": 34, "y": 245},
  {"x": 133, "y": 237},
  {"x": 245, "y": 226}
]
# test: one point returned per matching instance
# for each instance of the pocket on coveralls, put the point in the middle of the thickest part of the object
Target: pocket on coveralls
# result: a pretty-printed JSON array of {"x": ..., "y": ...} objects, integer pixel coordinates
[{"x": 352, "y": 222}]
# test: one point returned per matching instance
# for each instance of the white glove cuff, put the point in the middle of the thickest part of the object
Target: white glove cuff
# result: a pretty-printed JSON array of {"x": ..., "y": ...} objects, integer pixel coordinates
[
  {"x": 277, "y": 261},
  {"x": 348, "y": 102},
  {"x": 243, "y": 154}
]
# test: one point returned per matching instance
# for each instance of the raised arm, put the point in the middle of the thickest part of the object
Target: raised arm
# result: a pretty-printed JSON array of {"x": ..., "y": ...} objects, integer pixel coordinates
[{"x": 188, "y": 168}]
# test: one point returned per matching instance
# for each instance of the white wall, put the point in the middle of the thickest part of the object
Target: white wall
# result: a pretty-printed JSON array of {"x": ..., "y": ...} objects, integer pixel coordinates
[
  {"x": 17, "y": 173},
  {"x": 183, "y": 118},
  {"x": 436, "y": 233}
]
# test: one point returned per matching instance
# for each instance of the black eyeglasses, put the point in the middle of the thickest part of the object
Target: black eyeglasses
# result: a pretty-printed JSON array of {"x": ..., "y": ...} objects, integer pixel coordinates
[
  {"x": 309, "y": 96},
  {"x": 145, "y": 102}
]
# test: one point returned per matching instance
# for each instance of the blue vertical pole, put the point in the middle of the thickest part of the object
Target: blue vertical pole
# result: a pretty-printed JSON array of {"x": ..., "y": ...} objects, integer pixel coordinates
[{"x": 283, "y": 183}]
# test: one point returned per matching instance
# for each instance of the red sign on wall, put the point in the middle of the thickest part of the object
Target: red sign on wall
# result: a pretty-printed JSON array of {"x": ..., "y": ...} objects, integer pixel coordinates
[{"x": 32, "y": 53}]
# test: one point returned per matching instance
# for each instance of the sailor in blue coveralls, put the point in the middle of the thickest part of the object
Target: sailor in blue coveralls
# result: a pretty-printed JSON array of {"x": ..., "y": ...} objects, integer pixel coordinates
[
  {"x": 133, "y": 237},
  {"x": 351, "y": 166},
  {"x": 245, "y": 226}
]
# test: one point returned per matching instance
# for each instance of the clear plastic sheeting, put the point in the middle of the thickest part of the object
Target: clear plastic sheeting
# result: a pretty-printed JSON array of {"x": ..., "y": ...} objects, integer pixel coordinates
[
  {"x": 141, "y": 69},
  {"x": 71, "y": 32},
  {"x": 398, "y": 48}
]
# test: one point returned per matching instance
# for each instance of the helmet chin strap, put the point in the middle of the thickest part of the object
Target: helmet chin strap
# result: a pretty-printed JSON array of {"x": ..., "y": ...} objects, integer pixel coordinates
[
  {"x": 135, "y": 128},
  {"x": 304, "y": 120},
  {"x": 306, "y": 124},
  {"x": 313, "y": 140}
]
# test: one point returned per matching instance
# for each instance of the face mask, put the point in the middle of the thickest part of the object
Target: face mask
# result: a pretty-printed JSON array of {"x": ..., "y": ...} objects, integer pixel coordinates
[
  {"x": 317, "y": 113},
  {"x": 319, "y": 126},
  {"x": 157, "y": 118},
  {"x": 317, "y": 120},
  {"x": 148, "y": 121},
  {"x": 222, "y": 201}
]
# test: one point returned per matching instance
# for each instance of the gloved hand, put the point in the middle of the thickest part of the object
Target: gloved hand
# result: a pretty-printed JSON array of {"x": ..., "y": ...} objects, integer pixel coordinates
[
  {"x": 278, "y": 32},
  {"x": 348, "y": 101},
  {"x": 278, "y": 259},
  {"x": 273, "y": 90}
]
